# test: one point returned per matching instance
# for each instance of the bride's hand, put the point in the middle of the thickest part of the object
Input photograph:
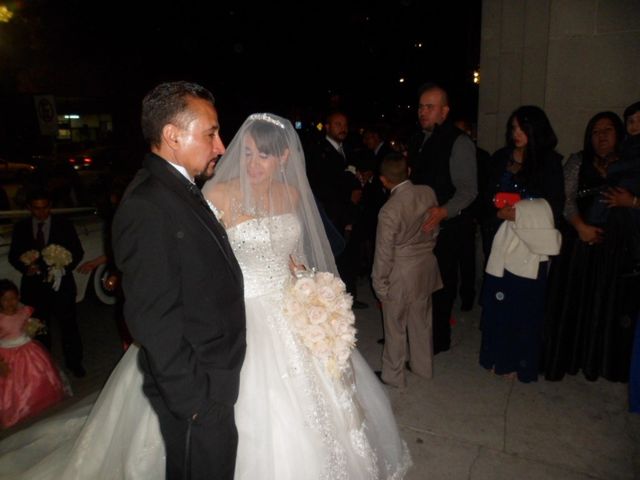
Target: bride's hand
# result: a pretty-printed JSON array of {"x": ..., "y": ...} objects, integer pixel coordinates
[{"x": 295, "y": 267}]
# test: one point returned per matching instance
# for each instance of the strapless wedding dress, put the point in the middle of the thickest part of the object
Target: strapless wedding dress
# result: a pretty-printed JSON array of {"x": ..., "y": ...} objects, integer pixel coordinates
[{"x": 295, "y": 421}]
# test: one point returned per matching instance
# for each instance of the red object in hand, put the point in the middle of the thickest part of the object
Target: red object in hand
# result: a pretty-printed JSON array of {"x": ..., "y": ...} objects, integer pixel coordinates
[{"x": 504, "y": 199}]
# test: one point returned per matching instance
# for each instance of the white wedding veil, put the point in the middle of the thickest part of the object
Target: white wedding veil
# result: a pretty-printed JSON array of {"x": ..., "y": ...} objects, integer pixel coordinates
[{"x": 262, "y": 175}]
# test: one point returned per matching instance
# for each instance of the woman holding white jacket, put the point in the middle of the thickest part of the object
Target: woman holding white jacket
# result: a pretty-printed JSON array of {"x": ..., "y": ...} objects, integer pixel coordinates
[{"x": 528, "y": 173}]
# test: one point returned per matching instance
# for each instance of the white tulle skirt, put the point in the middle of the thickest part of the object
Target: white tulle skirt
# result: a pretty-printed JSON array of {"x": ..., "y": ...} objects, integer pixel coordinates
[
  {"x": 117, "y": 437},
  {"x": 294, "y": 421}
]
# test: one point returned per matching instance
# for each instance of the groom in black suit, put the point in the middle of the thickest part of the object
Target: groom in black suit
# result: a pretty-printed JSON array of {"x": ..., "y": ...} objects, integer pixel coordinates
[{"x": 182, "y": 285}]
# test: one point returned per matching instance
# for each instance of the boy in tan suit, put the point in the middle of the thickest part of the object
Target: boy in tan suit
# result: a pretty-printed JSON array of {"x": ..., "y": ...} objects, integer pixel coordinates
[{"x": 405, "y": 273}]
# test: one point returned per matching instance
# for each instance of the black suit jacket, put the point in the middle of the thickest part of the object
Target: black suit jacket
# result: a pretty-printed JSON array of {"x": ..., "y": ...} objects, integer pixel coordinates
[
  {"x": 183, "y": 293},
  {"x": 385, "y": 149},
  {"x": 331, "y": 183},
  {"x": 61, "y": 233}
]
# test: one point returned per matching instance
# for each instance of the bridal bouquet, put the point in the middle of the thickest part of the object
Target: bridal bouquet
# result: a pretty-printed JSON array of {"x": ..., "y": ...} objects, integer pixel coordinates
[
  {"x": 318, "y": 307},
  {"x": 56, "y": 257}
]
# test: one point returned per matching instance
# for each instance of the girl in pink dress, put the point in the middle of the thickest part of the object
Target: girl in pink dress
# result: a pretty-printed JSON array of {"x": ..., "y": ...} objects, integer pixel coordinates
[{"x": 29, "y": 381}]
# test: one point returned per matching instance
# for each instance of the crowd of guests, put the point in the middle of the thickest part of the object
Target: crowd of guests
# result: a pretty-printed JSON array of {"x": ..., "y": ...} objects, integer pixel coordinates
[
  {"x": 560, "y": 239},
  {"x": 577, "y": 310}
]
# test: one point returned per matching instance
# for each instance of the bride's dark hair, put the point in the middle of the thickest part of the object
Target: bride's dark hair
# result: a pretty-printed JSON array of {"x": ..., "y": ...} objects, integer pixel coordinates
[{"x": 269, "y": 138}]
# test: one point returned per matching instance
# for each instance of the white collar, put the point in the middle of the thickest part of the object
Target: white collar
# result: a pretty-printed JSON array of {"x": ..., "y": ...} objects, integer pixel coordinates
[
  {"x": 401, "y": 183},
  {"x": 183, "y": 171},
  {"x": 45, "y": 223},
  {"x": 335, "y": 144}
]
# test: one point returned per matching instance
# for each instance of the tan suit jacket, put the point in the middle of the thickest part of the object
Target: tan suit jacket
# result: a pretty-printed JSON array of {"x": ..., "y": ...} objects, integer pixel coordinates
[
  {"x": 404, "y": 266},
  {"x": 405, "y": 273}
]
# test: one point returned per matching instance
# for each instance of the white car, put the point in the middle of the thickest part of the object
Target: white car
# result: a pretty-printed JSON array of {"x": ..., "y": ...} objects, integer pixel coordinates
[{"x": 89, "y": 227}]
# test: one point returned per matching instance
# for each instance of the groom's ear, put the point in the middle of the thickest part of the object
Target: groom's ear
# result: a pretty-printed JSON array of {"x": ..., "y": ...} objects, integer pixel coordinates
[{"x": 171, "y": 136}]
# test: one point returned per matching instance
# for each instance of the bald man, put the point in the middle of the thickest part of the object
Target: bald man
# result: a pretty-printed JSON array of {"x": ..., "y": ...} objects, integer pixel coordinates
[{"x": 444, "y": 158}]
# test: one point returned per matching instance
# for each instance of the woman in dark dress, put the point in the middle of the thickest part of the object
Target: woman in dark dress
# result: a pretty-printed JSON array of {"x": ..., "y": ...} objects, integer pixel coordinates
[
  {"x": 513, "y": 306},
  {"x": 631, "y": 149},
  {"x": 589, "y": 325}
]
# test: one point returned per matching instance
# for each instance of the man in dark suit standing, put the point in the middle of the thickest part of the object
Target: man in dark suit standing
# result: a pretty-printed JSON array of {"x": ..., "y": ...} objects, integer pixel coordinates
[
  {"x": 50, "y": 300},
  {"x": 332, "y": 176},
  {"x": 373, "y": 139},
  {"x": 374, "y": 194},
  {"x": 183, "y": 287}
]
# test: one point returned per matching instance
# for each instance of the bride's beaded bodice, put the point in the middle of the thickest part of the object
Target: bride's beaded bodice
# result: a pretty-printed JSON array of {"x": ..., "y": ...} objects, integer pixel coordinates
[{"x": 262, "y": 248}]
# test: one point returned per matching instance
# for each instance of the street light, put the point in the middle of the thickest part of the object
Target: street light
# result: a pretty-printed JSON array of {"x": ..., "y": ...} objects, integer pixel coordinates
[{"x": 5, "y": 14}]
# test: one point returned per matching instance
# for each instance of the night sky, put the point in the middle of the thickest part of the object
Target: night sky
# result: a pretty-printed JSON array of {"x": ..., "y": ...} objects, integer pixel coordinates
[{"x": 266, "y": 57}]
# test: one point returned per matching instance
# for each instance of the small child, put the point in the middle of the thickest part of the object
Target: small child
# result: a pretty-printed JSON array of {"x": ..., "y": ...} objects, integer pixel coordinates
[
  {"x": 29, "y": 380},
  {"x": 405, "y": 273}
]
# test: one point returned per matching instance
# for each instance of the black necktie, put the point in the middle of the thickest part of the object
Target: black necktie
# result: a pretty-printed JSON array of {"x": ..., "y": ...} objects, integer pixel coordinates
[
  {"x": 40, "y": 236},
  {"x": 195, "y": 191}
]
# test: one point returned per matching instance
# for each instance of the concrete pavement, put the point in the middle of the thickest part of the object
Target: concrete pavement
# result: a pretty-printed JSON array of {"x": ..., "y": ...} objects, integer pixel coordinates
[{"x": 469, "y": 424}]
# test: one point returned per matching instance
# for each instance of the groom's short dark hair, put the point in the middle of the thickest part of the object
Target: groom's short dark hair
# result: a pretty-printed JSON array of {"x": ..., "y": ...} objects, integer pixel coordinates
[{"x": 167, "y": 103}]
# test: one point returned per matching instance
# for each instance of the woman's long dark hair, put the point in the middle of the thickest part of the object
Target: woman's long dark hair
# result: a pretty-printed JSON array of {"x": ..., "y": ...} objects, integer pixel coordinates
[
  {"x": 588, "y": 153},
  {"x": 541, "y": 139}
]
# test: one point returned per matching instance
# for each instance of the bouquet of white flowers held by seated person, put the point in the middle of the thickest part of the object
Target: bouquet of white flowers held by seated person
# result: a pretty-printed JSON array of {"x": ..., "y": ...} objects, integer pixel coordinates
[
  {"x": 57, "y": 258},
  {"x": 319, "y": 308}
]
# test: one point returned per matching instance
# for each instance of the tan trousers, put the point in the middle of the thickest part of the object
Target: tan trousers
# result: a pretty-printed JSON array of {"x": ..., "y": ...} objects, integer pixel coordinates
[{"x": 404, "y": 321}]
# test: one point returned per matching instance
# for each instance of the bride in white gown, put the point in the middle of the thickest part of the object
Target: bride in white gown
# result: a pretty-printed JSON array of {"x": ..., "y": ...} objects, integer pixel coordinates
[{"x": 294, "y": 419}]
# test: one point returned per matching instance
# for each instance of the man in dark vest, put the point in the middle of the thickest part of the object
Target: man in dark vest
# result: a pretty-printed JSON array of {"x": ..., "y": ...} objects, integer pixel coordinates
[{"x": 444, "y": 158}]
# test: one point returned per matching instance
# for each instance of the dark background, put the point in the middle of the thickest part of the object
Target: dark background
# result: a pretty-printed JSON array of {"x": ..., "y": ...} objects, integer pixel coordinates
[{"x": 296, "y": 59}]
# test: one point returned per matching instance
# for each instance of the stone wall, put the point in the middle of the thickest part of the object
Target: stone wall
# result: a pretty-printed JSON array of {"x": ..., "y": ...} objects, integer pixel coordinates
[{"x": 573, "y": 58}]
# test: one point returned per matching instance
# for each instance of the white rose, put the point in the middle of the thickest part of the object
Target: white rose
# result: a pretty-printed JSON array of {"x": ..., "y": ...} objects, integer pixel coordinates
[
  {"x": 322, "y": 349},
  {"x": 317, "y": 315},
  {"x": 292, "y": 307},
  {"x": 315, "y": 333},
  {"x": 349, "y": 337},
  {"x": 304, "y": 288},
  {"x": 344, "y": 303},
  {"x": 326, "y": 295},
  {"x": 324, "y": 278},
  {"x": 339, "y": 326},
  {"x": 343, "y": 354},
  {"x": 338, "y": 285}
]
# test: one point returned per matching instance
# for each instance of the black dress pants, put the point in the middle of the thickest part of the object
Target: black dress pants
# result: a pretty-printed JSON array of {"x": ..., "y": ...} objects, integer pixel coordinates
[
  {"x": 468, "y": 266},
  {"x": 449, "y": 246},
  {"x": 201, "y": 450}
]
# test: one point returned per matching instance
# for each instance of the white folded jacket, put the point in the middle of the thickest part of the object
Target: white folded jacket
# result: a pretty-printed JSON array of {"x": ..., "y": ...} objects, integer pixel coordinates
[{"x": 521, "y": 245}]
